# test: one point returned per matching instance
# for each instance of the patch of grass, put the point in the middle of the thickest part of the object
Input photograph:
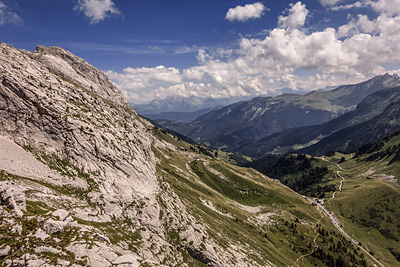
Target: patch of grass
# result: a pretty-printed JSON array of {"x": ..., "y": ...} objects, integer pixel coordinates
[
  {"x": 36, "y": 208},
  {"x": 64, "y": 167},
  {"x": 117, "y": 231}
]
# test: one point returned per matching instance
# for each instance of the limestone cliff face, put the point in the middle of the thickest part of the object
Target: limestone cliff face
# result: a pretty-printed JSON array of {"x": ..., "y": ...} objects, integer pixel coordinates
[
  {"x": 72, "y": 118},
  {"x": 59, "y": 104},
  {"x": 65, "y": 64}
]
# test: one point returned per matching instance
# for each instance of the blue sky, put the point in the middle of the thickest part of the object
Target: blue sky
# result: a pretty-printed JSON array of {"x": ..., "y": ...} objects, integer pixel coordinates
[{"x": 207, "y": 48}]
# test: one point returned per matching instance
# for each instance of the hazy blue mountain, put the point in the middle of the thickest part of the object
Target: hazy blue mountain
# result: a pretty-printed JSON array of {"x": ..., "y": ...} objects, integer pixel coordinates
[
  {"x": 184, "y": 117},
  {"x": 181, "y": 104},
  {"x": 352, "y": 137}
]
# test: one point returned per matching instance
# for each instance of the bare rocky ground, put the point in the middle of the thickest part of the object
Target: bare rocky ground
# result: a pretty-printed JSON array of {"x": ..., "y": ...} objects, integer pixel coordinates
[
  {"x": 15, "y": 160},
  {"x": 382, "y": 177}
]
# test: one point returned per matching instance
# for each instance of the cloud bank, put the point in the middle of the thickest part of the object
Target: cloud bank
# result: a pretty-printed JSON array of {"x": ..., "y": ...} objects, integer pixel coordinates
[
  {"x": 243, "y": 13},
  {"x": 97, "y": 10},
  {"x": 289, "y": 56}
]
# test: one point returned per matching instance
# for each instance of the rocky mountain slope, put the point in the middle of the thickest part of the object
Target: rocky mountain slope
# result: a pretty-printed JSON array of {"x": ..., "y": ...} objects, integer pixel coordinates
[
  {"x": 85, "y": 181},
  {"x": 255, "y": 119}
]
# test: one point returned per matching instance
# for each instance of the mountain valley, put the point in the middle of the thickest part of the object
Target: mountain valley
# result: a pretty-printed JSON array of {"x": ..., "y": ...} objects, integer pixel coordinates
[
  {"x": 361, "y": 189},
  {"x": 200, "y": 133},
  {"x": 85, "y": 181}
]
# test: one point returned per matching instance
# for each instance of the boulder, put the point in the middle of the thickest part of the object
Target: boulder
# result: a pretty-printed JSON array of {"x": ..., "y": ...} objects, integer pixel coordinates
[
  {"x": 127, "y": 260},
  {"x": 5, "y": 251},
  {"x": 12, "y": 197},
  {"x": 61, "y": 214},
  {"x": 53, "y": 227}
]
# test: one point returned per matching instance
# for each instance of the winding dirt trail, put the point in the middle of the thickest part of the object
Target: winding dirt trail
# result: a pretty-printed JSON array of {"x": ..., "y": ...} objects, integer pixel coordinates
[
  {"x": 341, "y": 182},
  {"x": 312, "y": 251},
  {"x": 338, "y": 174}
]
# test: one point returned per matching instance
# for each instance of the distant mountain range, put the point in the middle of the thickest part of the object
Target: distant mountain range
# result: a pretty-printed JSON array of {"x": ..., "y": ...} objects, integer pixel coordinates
[
  {"x": 373, "y": 118},
  {"x": 185, "y": 117},
  {"x": 187, "y": 109},
  {"x": 181, "y": 104},
  {"x": 248, "y": 121}
]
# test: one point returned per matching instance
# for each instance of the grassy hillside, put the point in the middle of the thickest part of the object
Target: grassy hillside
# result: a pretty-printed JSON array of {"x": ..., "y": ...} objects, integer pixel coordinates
[
  {"x": 369, "y": 205},
  {"x": 244, "y": 206}
]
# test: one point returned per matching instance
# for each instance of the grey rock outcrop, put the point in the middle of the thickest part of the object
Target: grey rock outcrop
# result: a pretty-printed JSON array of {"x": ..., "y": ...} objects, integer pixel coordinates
[
  {"x": 61, "y": 214},
  {"x": 56, "y": 103},
  {"x": 72, "y": 118},
  {"x": 5, "y": 251},
  {"x": 53, "y": 227},
  {"x": 12, "y": 197},
  {"x": 67, "y": 65},
  {"x": 126, "y": 260}
]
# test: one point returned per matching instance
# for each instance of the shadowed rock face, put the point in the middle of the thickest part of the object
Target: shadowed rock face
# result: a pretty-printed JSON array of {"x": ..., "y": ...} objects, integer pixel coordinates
[{"x": 13, "y": 198}]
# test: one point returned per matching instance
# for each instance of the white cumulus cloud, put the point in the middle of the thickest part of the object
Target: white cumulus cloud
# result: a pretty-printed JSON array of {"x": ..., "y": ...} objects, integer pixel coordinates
[
  {"x": 391, "y": 7},
  {"x": 138, "y": 78},
  {"x": 243, "y": 13},
  {"x": 97, "y": 10},
  {"x": 7, "y": 16},
  {"x": 296, "y": 17}
]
